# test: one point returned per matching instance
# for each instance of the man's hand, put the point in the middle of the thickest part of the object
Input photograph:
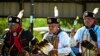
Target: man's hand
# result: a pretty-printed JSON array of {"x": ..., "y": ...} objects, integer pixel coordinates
[
  {"x": 27, "y": 54},
  {"x": 73, "y": 31},
  {"x": 54, "y": 52}
]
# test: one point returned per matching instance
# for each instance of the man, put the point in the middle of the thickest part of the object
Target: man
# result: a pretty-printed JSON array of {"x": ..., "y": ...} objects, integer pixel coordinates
[
  {"x": 58, "y": 38},
  {"x": 17, "y": 39},
  {"x": 88, "y": 36}
]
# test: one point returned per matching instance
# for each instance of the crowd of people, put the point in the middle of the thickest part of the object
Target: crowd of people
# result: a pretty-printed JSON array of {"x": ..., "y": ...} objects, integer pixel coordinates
[{"x": 56, "y": 42}]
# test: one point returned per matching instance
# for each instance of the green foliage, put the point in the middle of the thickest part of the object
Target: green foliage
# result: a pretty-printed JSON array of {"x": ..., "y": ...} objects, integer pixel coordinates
[
  {"x": 38, "y": 35},
  {"x": 37, "y": 22},
  {"x": 66, "y": 23},
  {"x": 40, "y": 22},
  {"x": 25, "y": 23},
  {"x": 3, "y": 24}
]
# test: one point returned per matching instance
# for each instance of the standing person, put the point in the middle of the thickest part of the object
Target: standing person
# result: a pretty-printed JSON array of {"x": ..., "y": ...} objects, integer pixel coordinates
[
  {"x": 58, "y": 38},
  {"x": 16, "y": 42},
  {"x": 88, "y": 36}
]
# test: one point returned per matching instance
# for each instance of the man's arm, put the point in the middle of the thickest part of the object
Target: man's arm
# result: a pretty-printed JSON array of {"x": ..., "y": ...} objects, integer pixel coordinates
[{"x": 64, "y": 41}]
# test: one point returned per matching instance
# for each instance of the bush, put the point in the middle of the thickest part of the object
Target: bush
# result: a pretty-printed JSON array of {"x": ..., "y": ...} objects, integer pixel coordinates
[{"x": 3, "y": 24}]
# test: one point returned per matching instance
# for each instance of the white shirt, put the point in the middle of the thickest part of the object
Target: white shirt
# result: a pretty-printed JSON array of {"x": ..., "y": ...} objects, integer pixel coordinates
[
  {"x": 79, "y": 34},
  {"x": 64, "y": 42}
]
